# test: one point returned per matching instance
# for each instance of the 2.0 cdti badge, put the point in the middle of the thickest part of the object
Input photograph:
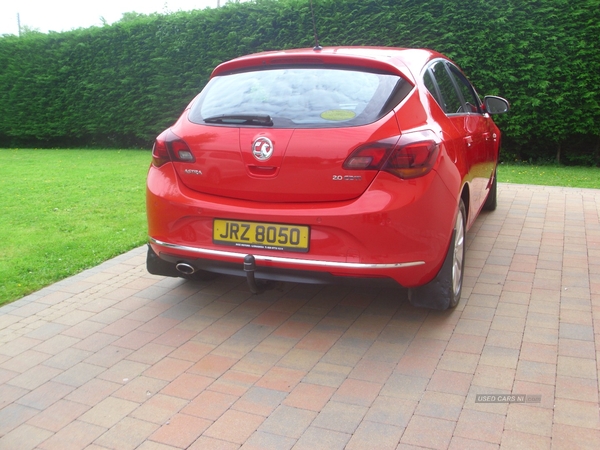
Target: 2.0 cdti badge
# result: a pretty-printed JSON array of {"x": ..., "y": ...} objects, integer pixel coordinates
[{"x": 325, "y": 165}]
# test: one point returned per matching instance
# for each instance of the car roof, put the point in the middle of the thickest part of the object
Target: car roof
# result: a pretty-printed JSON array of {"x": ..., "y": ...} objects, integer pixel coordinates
[{"x": 407, "y": 62}]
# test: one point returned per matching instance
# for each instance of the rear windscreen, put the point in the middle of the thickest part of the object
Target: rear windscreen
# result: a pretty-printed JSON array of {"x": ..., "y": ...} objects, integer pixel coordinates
[{"x": 300, "y": 97}]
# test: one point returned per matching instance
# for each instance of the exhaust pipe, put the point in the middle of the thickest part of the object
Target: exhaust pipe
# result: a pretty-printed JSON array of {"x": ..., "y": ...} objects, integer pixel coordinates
[{"x": 185, "y": 268}]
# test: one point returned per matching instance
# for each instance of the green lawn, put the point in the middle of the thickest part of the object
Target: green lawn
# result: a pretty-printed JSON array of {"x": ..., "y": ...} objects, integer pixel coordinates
[
  {"x": 550, "y": 175},
  {"x": 62, "y": 211}
]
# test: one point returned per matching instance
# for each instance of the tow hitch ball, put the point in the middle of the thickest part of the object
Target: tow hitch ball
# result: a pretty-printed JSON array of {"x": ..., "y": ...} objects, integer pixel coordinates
[
  {"x": 256, "y": 286},
  {"x": 249, "y": 268}
]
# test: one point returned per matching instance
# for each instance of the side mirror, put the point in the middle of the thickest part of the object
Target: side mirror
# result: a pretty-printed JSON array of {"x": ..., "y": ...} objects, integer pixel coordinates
[{"x": 495, "y": 105}]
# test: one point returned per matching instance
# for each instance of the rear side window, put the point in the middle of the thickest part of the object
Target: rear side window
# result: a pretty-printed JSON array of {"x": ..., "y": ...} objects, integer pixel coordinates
[
  {"x": 301, "y": 97},
  {"x": 432, "y": 88},
  {"x": 451, "y": 89},
  {"x": 448, "y": 96},
  {"x": 472, "y": 103}
]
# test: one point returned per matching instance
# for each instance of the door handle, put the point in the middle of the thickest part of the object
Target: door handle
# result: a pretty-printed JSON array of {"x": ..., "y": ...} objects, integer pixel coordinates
[{"x": 469, "y": 140}]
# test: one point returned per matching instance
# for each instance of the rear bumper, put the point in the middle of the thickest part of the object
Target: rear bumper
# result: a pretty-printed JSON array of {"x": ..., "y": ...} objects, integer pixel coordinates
[
  {"x": 397, "y": 229},
  {"x": 166, "y": 265},
  {"x": 203, "y": 253}
]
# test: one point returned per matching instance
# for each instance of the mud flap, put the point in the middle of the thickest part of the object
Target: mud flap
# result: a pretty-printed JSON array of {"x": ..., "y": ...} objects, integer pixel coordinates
[
  {"x": 437, "y": 294},
  {"x": 157, "y": 266}
]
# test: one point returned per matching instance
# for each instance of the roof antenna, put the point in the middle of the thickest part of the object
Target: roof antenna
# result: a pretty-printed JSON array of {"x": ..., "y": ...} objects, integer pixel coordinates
[{"x": 317, "y": 47}]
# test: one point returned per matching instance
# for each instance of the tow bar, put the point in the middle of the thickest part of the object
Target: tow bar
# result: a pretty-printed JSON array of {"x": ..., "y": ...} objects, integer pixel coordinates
[{"x": 249, "y": 268}]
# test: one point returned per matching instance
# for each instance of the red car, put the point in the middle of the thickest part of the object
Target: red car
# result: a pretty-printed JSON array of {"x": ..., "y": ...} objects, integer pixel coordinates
[{"x": 324, "y": 165}]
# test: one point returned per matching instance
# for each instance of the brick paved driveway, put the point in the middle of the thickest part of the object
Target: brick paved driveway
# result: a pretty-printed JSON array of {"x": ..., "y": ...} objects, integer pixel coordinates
[{"x": 116, "y": 358}]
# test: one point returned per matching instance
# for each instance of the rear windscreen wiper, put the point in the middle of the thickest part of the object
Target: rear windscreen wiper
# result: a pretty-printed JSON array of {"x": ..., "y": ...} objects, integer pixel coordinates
[{"x": 242, "y": 119}]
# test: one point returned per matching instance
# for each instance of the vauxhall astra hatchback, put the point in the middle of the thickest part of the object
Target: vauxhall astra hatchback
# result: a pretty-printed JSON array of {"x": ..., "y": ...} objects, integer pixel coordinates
[{"x": 325, "y": 165}]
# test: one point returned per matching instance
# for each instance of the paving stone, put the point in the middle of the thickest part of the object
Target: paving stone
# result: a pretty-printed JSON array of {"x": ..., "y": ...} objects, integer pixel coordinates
[
  {"x": 108, "y": 412},
  {"x": 45, "y": 395},
  {"x": 76, "y": 435},
  {"x": 479, "y": 425},
  {"x": 315, "y": 437},
  {"x": 187, "y": 386},
  {"x": 309, "y": 396},
  {"x": 260, "y": 401},
  {"x": 419, "y": 432},
  {"x": 568, "y": 436},
  {"x": 13, "y": 416},
  {"x": 392, "y": 411},
  {"x": 93, "y": 392},
  {"x": 117, "y": 358},
  {"x": 583, "y": 414},
  {"x": 209, "y": 405},
  {"x": 235, "y": 426},
  {"x": 159, "y": 408},
  {"x": 375, "y": 435},
  {"x": 13, "y": 366},
  {"x": 24, "y": 437},
  {"x": 288, "y": 421},
  {"x": 529, "y": 419},
  {"x": 357, "y": 392},
  {"x": 58, "y": 415},
  {"x": 440, "y": 405},
  {"x": 127, "y": 434},
  {"x": 340, "y": 417}
]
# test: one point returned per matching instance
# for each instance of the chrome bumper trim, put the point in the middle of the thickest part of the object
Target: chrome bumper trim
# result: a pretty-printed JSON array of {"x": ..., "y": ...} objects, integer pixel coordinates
[{"x": 300, "y": 262}]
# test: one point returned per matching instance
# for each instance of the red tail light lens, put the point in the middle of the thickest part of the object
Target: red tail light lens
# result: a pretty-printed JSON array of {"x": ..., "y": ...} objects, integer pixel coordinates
[
  {"x": 160, "y": 154},
  {"x": 170, "y": 147},
  {"x": 370, "y": 156},
  {"x": 413, "y": 160},
  {"x": 408, "y": 156}
]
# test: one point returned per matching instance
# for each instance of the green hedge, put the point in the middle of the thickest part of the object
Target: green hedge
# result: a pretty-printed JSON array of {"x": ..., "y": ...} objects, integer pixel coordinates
[{"x": 120, "y": 85}]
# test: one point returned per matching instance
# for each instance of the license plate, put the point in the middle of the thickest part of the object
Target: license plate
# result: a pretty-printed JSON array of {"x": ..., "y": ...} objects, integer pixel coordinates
[{"x": 267, "y": 236}]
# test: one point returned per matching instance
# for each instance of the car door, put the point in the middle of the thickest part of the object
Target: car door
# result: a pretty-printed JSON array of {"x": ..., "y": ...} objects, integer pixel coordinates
[
  {"x": 459, "y": 101},
  {"x": 478, "y": 133}
]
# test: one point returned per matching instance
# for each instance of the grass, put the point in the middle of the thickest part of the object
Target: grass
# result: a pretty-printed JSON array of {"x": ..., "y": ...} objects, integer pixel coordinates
[
  {"x": 550, "y": 175},
  {"x": 62, "y": 211}
]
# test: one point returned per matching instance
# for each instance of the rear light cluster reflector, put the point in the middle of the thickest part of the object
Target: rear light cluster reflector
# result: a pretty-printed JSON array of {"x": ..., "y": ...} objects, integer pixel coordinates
[
  {"x": 170, "y": 147},
  {"x": 408, "y": 156}
]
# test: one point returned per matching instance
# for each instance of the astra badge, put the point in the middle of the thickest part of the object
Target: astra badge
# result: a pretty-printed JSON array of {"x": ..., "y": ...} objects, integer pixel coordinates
[{"x": 262, "y": 148}]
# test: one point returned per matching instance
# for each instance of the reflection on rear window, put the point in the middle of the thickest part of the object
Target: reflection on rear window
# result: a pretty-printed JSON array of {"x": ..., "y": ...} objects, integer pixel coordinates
[{"x": 300, "y": 97}]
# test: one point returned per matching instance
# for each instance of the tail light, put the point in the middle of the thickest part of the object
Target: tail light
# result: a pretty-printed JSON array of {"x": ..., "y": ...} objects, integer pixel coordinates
[
  {"x": 413, "y": 160},
  {"x": 170, "y": 147},
  {"x": 371, "y": 156},
  {"x": 160, "y": 154},
  {"x": 408, "y": 156}
]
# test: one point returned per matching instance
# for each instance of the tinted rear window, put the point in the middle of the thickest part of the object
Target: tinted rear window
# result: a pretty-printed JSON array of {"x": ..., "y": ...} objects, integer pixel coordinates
[{"x": 302, "y": 97}]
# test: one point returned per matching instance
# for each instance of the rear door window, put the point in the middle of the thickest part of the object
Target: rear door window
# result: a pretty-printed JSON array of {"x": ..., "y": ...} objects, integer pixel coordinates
[
  {"x": 300, "y": 97},
  {"x": 432, "y": 88},
  {"x": 472, "y": 102},
  {"x": 448, "y": 96}
]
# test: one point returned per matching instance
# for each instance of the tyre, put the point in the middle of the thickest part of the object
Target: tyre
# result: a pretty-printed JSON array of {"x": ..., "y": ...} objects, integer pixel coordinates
[
  {"x": 444, "y": 290},
  {"x": 492, "y": 199}
]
